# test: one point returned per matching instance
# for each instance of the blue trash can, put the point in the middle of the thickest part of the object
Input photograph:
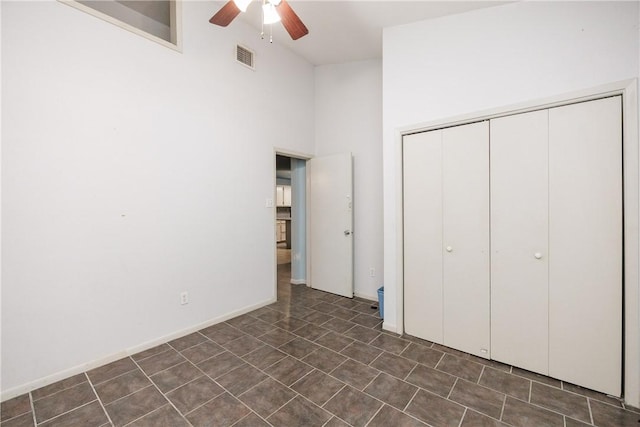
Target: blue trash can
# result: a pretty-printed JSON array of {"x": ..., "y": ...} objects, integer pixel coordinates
[{"x": 381, "y": 301}]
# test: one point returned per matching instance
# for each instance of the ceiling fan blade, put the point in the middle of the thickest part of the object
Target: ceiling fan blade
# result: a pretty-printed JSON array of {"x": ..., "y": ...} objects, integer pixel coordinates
[
  {"x": 225, "y": 15},
  {"x": 290, "y": 20}
]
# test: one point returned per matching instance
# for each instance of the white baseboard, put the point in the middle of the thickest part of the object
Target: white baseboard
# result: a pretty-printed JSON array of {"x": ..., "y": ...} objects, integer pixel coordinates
[
  {"x": 298, "y": 281},
  {"x": 58, "y": 376},
  {"x": 387, "y": 326},
  {"x": 366, "y": 296}
]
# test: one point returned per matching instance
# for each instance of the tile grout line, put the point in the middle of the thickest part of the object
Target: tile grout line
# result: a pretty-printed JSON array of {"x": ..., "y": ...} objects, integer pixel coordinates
[
  {"x": 98, "y": 398},
  {"x": 67, "y": 412},
  {"x": 283, "y": 405},
  {"x": 275, "y": 379},
  {"x": 161, "y": 393},
  {"x": 451, "y": 390},
  {"x": 110, "y": 379},
  {"x": 590, "y": 411},
  {"x": 411, "y": 372},
  {"x": 57, "y": 392},
  {"x": 344, "y": 385},
  {"x": 504, "y": 404},
  {"x": 186, "y": 348},
  {"x": 303, "y": 377},
  {"x": 374, "y": 415},
  {"x": 376, "y": 358},
  {"x": 251, "y": 411},
  {"x": 312, "y": 403},
  {"x": 171, "y": 367},
  {"x": 149, "y": 413},
  {"x": 250, "y": 364},
  {"x": 411, "y": 400},
  {"x": 210, "y": 357},
  {"x": 439, "y": 360},
  {"x": 152, "y": 355},
  {"x": 464, "y": 414},
  {"x": 370, "y": 382},
  {"x": 408, "y": 404},
  {"x": 128, "y": 395},
  {"x": 33, "y": 409},
  {"x": 224, "y": 390},
  {"x": 547, "y": 409},
  {"x": 481, "y": 374}
]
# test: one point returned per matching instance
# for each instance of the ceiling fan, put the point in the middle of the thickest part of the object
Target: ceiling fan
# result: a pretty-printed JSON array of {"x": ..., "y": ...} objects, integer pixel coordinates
[{"x": 273, "y": 11}]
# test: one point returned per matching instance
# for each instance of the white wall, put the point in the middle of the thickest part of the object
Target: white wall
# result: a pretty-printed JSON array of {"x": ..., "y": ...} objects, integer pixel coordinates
[
  {"x": 130, "y": 173},
  {"x": 348, "y": 115},
  {"x": 487, "y": 59}
]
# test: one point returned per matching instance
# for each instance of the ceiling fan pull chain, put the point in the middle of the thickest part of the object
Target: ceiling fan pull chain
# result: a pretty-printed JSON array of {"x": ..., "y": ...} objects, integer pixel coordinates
[{"x": 270, "y": 33}]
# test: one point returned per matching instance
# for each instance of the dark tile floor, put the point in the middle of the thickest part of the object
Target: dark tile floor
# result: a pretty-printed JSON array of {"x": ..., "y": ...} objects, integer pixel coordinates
[{"x": 311, "y": 359}]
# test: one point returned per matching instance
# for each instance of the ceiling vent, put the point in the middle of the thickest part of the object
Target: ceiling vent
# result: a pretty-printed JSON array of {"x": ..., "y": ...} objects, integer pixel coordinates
[{"x": 245, "y": 56}]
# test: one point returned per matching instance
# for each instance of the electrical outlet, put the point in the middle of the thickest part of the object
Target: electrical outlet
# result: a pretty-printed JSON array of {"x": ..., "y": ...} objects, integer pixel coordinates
[
  {"x": 184, "y": 298},
  {"x": 372, "y": 272},
  {"x": 269, "y": 203}
]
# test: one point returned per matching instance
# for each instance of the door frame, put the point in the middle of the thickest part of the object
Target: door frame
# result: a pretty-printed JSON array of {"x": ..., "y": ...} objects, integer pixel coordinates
[
  {"x": 300, "y": 156},
  {"x": 628, "y": 89}
]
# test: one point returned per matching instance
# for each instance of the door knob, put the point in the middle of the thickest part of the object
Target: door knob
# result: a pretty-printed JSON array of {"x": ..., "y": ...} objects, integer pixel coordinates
[
  {"x": 347, "y": 232},
  {"x": 537, "y": 255},
  {"x": 449, "y": 249}
]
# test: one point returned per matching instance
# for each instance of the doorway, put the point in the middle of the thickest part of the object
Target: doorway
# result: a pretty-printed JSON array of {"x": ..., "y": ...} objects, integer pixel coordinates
[
  {"x": 314, "y": 212},
  {"x": 283, "y": 219},
  {"x": 290, "y": 222}
]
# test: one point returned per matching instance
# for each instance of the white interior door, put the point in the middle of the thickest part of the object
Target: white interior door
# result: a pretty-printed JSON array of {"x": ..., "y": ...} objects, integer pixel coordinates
[
  {"x": 331, "y": 223},
  {"x": 422, "y": 191},
  {"x": 585, "y": 235},
  {"x": 465, "y": 201},
  {"x": 519, "y": 240}
]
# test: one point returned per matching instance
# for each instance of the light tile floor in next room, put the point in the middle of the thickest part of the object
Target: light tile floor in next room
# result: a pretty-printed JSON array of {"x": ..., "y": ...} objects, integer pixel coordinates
[{"x": 311, "y": 359}]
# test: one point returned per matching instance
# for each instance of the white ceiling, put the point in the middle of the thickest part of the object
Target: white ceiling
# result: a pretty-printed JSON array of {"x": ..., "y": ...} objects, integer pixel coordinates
[{"x": 344, "y": 31}]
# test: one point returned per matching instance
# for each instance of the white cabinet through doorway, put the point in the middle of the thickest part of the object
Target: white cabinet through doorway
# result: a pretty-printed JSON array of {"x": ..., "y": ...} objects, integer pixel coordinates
[{"x": 283, "y": 195}]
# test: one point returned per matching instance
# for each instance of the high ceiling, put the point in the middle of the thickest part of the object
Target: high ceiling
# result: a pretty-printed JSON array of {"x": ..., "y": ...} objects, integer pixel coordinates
[{"x": 344, "y": 31}]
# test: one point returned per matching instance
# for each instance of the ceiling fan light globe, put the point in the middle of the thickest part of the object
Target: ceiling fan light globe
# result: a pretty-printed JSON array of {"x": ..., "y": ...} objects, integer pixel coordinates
[
  {"x": 270, "y": 13},
  {"x": 275, "y": 2},
  {"x": 242, "y": 4}
]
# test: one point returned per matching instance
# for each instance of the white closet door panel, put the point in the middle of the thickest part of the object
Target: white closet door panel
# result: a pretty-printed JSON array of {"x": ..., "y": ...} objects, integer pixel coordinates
[
  {"x": 519, "y": 240},
  {"x": 422, "y": 171},
  {"x": 585, "y": 236},
  {"x": 466, "y": 237}
]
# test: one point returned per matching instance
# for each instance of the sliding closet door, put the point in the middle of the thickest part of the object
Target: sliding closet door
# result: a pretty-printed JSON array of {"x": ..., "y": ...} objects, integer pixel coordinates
[
  {"x": 519, "y": 242},
  {"x": 585, "y": 235},
  {"x": 422, "y": 171},
  {"x": 465, "y": 201}
]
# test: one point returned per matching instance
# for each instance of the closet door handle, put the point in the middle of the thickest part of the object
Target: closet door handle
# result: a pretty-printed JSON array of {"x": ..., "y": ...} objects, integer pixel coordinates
[
  {"x": 537, "y": 255},
  {"x": 449, "y": 249}
]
